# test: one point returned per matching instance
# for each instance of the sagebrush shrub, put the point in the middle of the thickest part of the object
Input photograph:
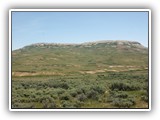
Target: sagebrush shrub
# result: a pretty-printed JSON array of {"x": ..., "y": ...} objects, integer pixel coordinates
[{"x": 123, "y": 86}]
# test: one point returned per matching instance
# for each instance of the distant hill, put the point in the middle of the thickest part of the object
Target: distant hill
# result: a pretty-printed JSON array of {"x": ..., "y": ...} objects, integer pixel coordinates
[{"x": 61, "y": 59}]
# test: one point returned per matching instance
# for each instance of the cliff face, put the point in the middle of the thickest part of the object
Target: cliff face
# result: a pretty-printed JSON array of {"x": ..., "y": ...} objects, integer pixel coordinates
[{"x": 107, "y": 42}]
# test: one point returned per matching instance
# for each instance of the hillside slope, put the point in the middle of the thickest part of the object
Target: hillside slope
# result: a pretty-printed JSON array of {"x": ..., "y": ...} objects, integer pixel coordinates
[{"x": 92, "y": 57}]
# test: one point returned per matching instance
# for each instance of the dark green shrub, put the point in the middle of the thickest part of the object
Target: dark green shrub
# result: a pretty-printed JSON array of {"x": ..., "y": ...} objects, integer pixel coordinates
[
  {"x": 65, "y": 96},
  {"x": 120, "y": 94},
  {"x": 99, "y": 89},
  {"x": 54, "y": 96},
  {"x": 73, "y": 93},
  {"x": 123, "y": 86},
  {"x": 79, "y": 90},
  {"x": 92, "y": 95}
]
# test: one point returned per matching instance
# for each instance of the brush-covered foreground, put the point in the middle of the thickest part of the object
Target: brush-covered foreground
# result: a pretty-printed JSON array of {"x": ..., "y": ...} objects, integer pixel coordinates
[
  {"x": 107, "y": 90},
  {"x": 101, "y": 75}
]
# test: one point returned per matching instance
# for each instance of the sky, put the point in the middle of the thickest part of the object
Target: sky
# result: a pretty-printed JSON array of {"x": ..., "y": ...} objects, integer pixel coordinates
[{"x": 77, "y": 27}]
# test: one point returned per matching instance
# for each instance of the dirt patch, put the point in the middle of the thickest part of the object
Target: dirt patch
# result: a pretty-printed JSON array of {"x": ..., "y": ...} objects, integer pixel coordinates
[
  {"x": 121, "y": 66},
  {"x": 20, "y": 74},
  {"x": 116, "y": 68},
  {"x": 92, "y": 72}
]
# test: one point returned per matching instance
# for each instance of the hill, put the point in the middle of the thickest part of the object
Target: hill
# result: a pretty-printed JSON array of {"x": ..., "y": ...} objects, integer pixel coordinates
[
  {"x": 51, "y": 58},
  {"x": 103, "y": 74}
]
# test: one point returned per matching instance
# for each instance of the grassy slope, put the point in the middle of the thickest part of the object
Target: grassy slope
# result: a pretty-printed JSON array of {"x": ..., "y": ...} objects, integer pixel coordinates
[{"x": 76, "y": 58}]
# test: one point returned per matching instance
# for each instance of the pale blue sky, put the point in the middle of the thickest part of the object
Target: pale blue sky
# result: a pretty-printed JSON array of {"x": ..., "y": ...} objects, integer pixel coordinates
[{"x": 77, "y": 27}]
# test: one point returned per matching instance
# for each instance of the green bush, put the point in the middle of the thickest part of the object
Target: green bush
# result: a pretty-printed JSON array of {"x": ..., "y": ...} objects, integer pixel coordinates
[
  {"x": 120, "y": 94},
  {"x": 59, "y": 91},
  {"x": 99, "y": 89},
  {"x": 123, "y": 103},
  {"x": 124, "y": 86},
  {"x": 92, "y": 95},
  {"x": 64, "y": 85},
  {"x": 81, "y": 97},
  {"x": 67, "y": 104},
  {"x": 65, "y": 96},
  {"x": 120, "y": 99},
  {"x": 73, "y": 92}
]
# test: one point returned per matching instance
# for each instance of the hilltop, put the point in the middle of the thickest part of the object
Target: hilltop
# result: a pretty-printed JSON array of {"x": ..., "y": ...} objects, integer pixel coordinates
[{"x": 112, "y": 43}]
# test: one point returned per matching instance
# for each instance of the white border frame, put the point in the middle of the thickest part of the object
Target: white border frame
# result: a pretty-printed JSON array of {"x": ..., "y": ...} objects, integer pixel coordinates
[{"x": 76, "y": 10}]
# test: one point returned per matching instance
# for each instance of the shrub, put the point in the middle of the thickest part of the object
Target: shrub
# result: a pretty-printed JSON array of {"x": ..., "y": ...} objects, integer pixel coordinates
[
  {"x": 120, "y": 94},
  {"x": 123, "y": 103},
  {"x": 78, "y": 104},
  {"x": 144, "y": 96},
  {"x": 92, "y": 95},
  {"x": 123, "y": 86},
  {"x": 65, "y": 96},
  {"x": 81, "y": 97},
  {"x": 120, "y": 99},
  {"x": 99, "y": 89},
  {"x": 48, "y": 102},
  {"x": 79, "y": 90},
  {"x": 64, "y": 85},
  {"x": 52, "y": 105},
  {"x": 73, "y": 92},
  {"x": 59, "y": 91},
  {"x": 67, "y": 104}
]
